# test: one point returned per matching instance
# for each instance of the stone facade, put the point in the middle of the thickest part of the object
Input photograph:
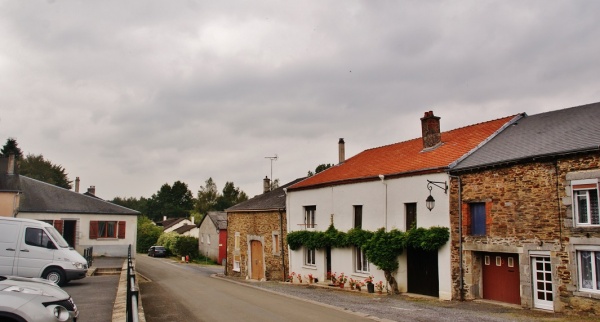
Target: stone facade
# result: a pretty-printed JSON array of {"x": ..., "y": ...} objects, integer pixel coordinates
[
  {"x": 264, "y": 227},
  {"x": 528, "y": 214}
]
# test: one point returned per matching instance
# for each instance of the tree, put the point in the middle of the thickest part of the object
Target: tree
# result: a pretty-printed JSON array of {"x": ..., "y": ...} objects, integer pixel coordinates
[
  {"x": 231, "y": 196},
  {"x": 11, "y": 147},
  {"x": 140, "y": 205},
  {"x": 36, "y": 167},
  {"x": 172, "y": 201},
  {"x": 207, "y": 197},
  {"x": 147, "y": 234},
  {"x": 319, "y": 168}
]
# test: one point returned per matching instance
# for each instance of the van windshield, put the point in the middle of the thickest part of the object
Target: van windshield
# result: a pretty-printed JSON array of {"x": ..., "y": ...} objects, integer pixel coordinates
[{"x": 62, "y": 243}]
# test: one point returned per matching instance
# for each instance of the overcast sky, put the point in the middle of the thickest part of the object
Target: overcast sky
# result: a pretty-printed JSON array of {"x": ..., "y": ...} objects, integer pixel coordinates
[{"x": 129, "y": 95}]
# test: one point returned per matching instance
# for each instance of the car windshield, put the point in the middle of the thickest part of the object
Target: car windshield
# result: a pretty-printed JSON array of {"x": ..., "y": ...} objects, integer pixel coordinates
[
  {"x": 159, "y": 248},
  {"x": 62, "y": 243}
]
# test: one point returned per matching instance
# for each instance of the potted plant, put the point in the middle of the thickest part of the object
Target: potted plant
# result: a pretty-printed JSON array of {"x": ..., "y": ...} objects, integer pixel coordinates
[
  {"x": 359, "y": 285},
  {"x": 352, "y": 283},
  {"x": 310, "y": 278},
  {"x": 342, "y": 279},
  {"x": 379, "y": 287},
  {"x": 291, "y": 277},
  {"x": 334, "y": 280},
  {"x": 370, "y": 286}
]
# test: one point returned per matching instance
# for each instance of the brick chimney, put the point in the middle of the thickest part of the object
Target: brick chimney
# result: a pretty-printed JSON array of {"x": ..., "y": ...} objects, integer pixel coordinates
[
  {"x": 342, "y": 150},
  {"x": 77, "y": 184},
  {"x": 430, "y": 127},
  {"x": 266, "y": 184},
  {"x": 92, "y": 190}
]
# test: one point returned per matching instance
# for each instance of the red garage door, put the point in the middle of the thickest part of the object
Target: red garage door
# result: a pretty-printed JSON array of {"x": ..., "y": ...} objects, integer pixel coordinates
[{"x": 501, "y": 277}]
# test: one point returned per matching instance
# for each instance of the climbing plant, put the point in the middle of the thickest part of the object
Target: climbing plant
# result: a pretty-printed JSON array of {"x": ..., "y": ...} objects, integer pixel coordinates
[{"x": 382, "y": 247}]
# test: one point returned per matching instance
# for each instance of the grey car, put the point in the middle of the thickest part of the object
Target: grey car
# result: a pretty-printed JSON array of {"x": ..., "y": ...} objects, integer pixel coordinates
[
  {"x": 157, "y": 251},
  {"x": 34, "y": 300}
]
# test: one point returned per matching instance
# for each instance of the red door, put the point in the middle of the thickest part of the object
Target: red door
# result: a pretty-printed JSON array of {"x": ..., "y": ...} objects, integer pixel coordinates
[{"x": 501, "y": 279}]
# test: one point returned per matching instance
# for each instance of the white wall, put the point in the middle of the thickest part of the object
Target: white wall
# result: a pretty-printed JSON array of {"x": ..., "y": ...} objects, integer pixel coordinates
[
  {"x": 211, "y": 250},
  {"x": 383, "y": 206},
  {"x": 112, "y": 247}
]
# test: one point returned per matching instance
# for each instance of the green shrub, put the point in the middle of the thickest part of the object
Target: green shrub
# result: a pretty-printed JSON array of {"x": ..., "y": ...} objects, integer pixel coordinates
[{"x": 147, "y": 234}]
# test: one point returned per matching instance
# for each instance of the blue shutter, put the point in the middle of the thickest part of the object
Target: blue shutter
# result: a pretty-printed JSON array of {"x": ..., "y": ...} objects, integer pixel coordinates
[{"x": 478, "y": 219}]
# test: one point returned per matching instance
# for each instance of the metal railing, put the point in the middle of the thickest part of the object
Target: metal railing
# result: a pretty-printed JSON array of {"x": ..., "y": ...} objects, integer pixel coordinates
[
  {"x": 132, "y": 291},
  {"x": 87, "y": 254}
]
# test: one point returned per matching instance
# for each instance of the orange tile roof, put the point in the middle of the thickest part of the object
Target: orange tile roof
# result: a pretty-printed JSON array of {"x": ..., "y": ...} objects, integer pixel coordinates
[{"x": 406, "y": 157}]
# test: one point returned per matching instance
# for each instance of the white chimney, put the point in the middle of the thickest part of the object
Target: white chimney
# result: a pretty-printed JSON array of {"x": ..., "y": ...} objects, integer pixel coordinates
[
  {"x": 11, "y": 164},
  {"x": 164, "y": 218}
]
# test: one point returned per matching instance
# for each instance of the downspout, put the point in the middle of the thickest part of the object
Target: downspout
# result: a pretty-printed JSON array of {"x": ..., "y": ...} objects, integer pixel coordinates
[
  {"x": 281, "y": 244},
  {"x": 558, "y": 204},
  {"x": 382, "y": 177},
  {"x": 460, "y": 241}
]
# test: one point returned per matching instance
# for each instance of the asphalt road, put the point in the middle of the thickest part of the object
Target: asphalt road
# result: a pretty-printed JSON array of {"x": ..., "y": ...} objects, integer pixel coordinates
[{"x": 180, "y": 292}]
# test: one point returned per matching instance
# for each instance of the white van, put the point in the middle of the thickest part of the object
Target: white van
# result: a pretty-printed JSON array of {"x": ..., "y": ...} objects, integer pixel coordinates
[{"x": 32, "y": 248}]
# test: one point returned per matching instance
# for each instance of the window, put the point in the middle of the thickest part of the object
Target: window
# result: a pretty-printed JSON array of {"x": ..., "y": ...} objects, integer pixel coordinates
[
  {"x": 208, "y": 239},
  {"x": 202, "y": 238},
  {"x": 362, "y": 263},
  {"x": 38, "y": 237},
  {"x": 478, "y": 227},
  {"x": 310, "y": 258},
  {"x": 589, "y": 270},
  {"x": 236, "y": 263},
  {"x": 107, "y": 229},
  {"x": 309, "y": 216},
  {"x": 236, "y": 243},
  {"x": 276, "y": 243},
  {"x": 358, "y": 217},
  {"x": 585, "y": 202},
  {"x": 411, "y": 215}
]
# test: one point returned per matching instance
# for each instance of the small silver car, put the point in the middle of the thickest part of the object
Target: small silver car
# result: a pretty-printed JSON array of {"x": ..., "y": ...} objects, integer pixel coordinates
[{"x": 34, "y": 300}]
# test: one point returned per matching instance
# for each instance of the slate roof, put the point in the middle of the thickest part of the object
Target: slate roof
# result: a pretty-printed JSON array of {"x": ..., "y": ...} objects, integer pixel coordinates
[
  {"x": 272, "y": 200},
  {"x": 184, "y": 228},
  {"x": 408, "y": 157},
  {"x": 170, "y": 222},
  {"x": 219, "y": 219},
  {"x": 38, "y": 196},
  {"x": 566, "y": 131}
]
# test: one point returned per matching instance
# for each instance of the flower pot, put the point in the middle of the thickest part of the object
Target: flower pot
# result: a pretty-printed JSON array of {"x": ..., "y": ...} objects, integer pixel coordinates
[
  {"x": 371, "y": 287},
  {"x": 351, "y": 287},
  {"x": 342, "y": 285},
  {"x": 379, "y": 292}
]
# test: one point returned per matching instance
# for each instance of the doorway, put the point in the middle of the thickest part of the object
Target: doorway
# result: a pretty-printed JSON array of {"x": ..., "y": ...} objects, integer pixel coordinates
[
  {"x": 256, "y": 260},
  {"x": 68, "y": 233},
  {"x": 328, "y": 262},
  {"x": 543, "y": 289},
  {"x": 422, "y": 272},
  {"x": 501, "y": 279}
]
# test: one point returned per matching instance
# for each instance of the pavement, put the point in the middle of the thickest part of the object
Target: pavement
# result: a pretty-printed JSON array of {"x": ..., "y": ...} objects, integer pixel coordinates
[{"x": 101, "y": 296}]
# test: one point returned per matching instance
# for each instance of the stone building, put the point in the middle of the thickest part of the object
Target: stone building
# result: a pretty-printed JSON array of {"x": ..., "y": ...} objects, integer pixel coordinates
[
  {"x": 256, "y": 233},
  {"x": 524, "y": 214}
]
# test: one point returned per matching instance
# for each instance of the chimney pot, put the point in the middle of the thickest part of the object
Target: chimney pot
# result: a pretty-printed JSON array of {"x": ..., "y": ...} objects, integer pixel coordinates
[
  {"x": 342, "y": 150},
  {"x": 266, "y": 184},
  {"x": 92, "y": 190},
  {"x": 430, "y": 128},
  {"x": 77, "y": 184}
]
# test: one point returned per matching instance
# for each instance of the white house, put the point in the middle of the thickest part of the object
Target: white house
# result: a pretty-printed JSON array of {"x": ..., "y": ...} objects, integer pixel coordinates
[
  {"x": 83, "y": 219},
  {"x": 386, "y": 187}
]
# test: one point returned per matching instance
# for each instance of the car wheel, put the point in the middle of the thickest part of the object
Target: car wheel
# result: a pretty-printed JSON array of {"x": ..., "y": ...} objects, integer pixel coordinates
[{"x": 55, "y": 275}]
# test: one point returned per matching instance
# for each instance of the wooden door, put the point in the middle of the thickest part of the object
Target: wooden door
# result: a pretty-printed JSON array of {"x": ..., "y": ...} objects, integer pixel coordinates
[
  {"x": 422, "y": 271},
  {"x": 501, "y": 279},
  {"x": 256, "y": 259}
]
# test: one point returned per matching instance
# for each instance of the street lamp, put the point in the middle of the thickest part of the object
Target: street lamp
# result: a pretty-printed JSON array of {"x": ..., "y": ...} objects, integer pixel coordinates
[{"x": 430, "y": 202}]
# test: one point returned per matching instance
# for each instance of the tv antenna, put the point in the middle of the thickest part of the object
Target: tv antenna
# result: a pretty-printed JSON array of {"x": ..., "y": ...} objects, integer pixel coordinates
[{"x": 274, "y": 158}]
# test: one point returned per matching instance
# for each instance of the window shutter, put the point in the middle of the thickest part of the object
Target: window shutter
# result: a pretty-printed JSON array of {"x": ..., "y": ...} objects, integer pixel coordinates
[
  {"x": 93, "y": 229},
  {"x": 58, "y": 224},
  {"x": 121, "y": 231}
]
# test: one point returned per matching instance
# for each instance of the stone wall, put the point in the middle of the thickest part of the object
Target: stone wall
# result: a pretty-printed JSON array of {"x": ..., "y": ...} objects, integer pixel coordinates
[
  {"x": 528, "y": 210},
  {"x": 257, "y": 226}
]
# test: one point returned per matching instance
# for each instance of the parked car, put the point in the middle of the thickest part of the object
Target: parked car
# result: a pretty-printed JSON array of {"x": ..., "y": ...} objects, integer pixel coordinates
[
  {"x": 34, "y": 300},
  {"x": 157, "y": 251},
  {"x": 32, "y": 248}
]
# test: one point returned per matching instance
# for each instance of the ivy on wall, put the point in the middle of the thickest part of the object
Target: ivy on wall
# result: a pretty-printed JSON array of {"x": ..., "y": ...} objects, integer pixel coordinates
[{"x": 382, "y": 248}]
